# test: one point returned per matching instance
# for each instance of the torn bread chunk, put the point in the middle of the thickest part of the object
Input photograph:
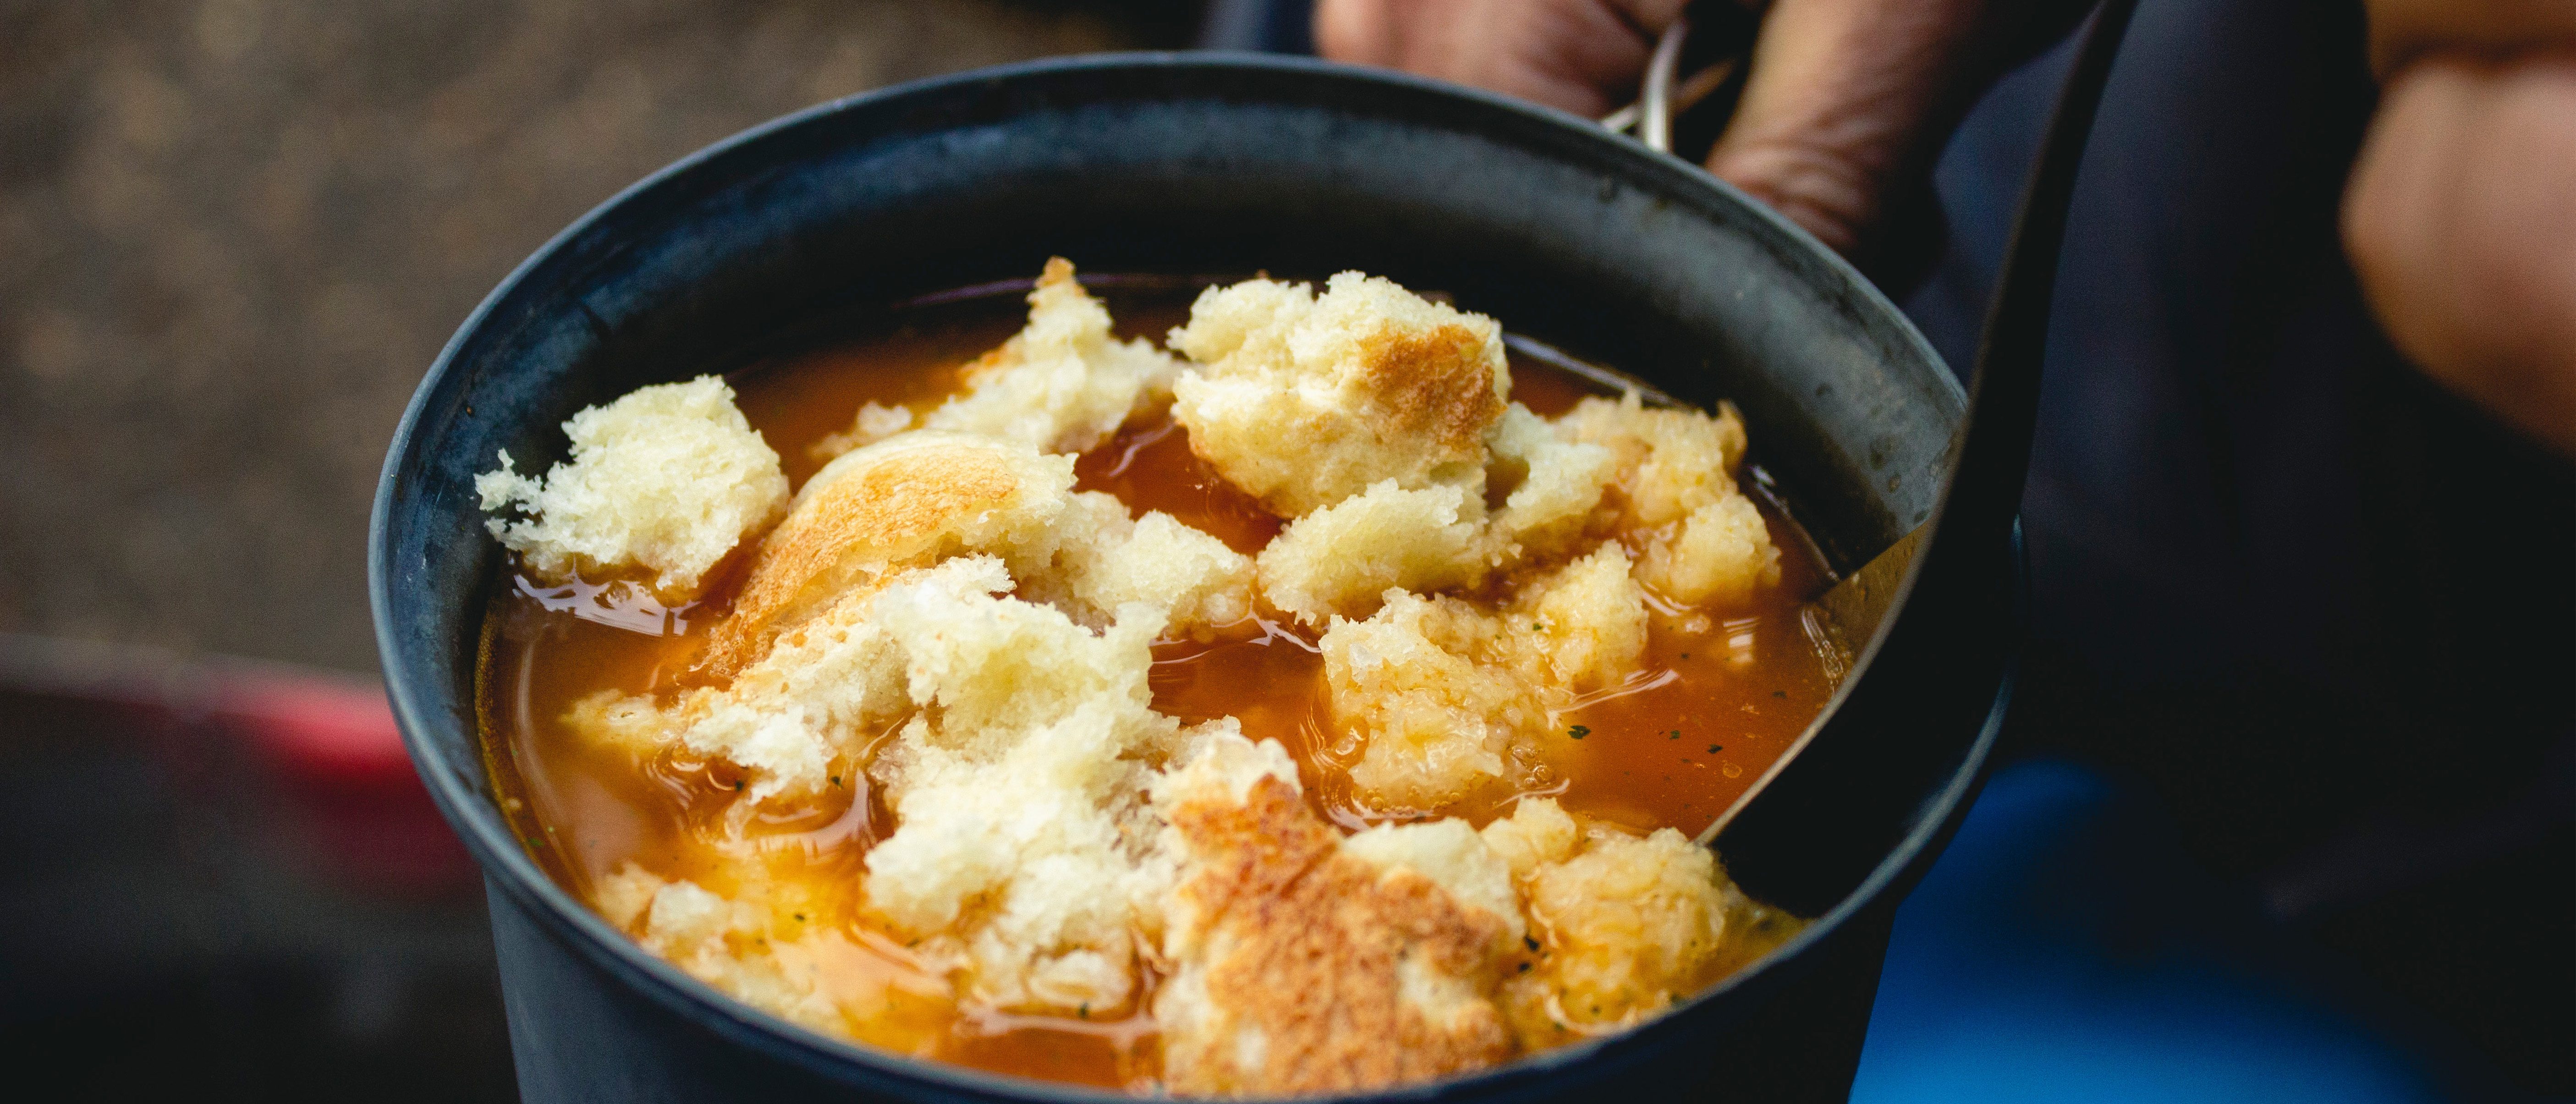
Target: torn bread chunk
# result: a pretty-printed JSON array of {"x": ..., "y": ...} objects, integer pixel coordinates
[
  {"x": 1105, "y": 560},
  {"x": 761, "y": 946},
  {"x": 1339, "y": 560},
  {"x": 1721, "y": 555},
  {"x": 1670, "y": 461},
  {"x": 1450, "y": 697},
  {"x": 795, "y": 721},
  {"x": 1450, "y": 853},
  {"x": 1301, "y": 965},
  {"x": 902, "y": 502},
  {"x": 660, "y": 484},
  {"x": 1064, "y": 383},
  {"x": 1627, "y": 925},
  {"x": 1586, "y": 625},
  {"x": 1303, "y": 401},
  {"x": 1438, "y": 723},
  {"x": 1022, "y": 850},
  {"x": 1703, "y": 541},
  {"x": 1555, "y": 483},
  {"x": 874, "y": 423}
]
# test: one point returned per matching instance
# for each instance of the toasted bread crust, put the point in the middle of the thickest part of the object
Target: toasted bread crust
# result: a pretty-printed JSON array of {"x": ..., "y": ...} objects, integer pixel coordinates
[
  {"x": 1316, "y": 944},
  {"x": 1303, "y": 401},
  {"x": 1434, "y": 387},
  {"x": 889, "y": 508}
]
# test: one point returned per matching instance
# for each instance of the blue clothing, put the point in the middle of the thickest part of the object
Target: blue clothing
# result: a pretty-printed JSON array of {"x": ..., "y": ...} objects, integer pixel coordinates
[{"x": 2063, "y": 948}]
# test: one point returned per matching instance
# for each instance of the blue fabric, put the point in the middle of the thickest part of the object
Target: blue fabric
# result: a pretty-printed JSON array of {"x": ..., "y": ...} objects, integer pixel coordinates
[{"x": 2064, "y": 948}]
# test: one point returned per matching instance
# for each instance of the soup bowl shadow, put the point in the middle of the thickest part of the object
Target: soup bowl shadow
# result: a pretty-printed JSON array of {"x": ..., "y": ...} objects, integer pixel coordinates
[{"x": 1182, "y": 164}]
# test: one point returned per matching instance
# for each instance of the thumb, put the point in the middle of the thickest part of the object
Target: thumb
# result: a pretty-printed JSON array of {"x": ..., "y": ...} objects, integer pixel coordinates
[{"x": 1845, "y": 106}]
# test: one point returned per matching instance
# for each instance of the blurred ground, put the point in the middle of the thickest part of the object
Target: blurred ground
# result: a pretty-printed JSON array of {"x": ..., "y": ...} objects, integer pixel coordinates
[{"x": 234, "y": 233}]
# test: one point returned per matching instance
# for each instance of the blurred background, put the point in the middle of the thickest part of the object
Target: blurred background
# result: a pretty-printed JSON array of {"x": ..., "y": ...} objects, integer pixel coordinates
[{"x": 233, "y": 235}]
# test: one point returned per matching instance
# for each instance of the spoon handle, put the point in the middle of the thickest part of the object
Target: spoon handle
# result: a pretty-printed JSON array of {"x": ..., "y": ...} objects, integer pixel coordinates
[{"x": 1851, "y": 790}]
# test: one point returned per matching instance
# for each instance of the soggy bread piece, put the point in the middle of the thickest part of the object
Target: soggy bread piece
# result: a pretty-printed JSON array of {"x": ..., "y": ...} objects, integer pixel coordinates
[
  {"x": 1451, "y": 854},
  {"x": 1626, "y": 925},
  {"x": 661, "y": 483},
  {"x": 1721, "y": 555},
  {"x": 1438, "y": 722},
  {"x": 1022, "y": 854},
  {"x": 1703, "y": 541},
  {"x": 902, "y": 502},
  {"x": 1022, "y": 851},
  {"x": 1446, "y": 693},
  {"x": 874, "y": 423},
  {"x": 1304, "y": 401},
  {"x": 1555, "y": 484},
  {"x": 795, "y": 720},
  {"x": 1586, "y": 621},
  {"x": 1303, "y": 966},
  {"x": 1338, "y": 560},
  {"x": 1670, "y": 461},
  {"x": 759, "y": 946},
  {"x": 1064, "y": 383},
  {"x": 1105, "y": 560}
]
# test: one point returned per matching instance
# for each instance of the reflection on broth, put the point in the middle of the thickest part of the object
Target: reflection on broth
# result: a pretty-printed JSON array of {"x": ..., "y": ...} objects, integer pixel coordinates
[{"x": 745, "y": 859}]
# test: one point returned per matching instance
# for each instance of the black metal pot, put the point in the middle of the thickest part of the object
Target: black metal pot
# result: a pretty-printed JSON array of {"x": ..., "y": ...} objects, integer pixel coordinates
[{"x": 1194, "y": 163}]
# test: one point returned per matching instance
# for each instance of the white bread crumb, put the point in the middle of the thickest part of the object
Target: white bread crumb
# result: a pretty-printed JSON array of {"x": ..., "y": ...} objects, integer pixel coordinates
[
  {"x": 755, "y": 946},
  {"x": 1064, "y": 383},
  {"x": 1443, "y": 691},
  {"x": 1670, "y": 461},
  {"x": 663, "y": 482},
  {"x": 1221, "y": 768},
  {"x": 1104, "y": 561},
  {"x": 1537, "y": 833},
  {"x": 1304, "y": 401},
  {"x": 1587, "y": 623},
  {"x": 1340, "y": 559},
  {"x": 1721, "y": 556},
  {"x": 874, "y": 423},
  {"x": 1020, "y": 792},
  {"x": 1632, "y": 925}
]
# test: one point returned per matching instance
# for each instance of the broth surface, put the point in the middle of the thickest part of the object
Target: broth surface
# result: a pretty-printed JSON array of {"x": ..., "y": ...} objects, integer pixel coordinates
[{"x": 1714, "y": 702}]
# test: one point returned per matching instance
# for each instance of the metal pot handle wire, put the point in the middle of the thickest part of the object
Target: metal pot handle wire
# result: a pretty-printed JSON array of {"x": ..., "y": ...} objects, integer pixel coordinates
[{"x": 1661, "y": 98}]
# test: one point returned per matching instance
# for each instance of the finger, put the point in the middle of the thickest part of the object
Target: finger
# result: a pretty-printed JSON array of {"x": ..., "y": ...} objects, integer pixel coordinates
[
  {"x": 1846, "y": 101},
  {"x": 2461, "y": 225},
  {"x": 2401, "y": 30},
  {"x": 1582, "y": 56}
]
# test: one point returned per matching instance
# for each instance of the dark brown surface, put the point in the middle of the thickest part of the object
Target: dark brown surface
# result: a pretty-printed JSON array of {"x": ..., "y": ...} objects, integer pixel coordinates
[{"x": 234, "y": 233}]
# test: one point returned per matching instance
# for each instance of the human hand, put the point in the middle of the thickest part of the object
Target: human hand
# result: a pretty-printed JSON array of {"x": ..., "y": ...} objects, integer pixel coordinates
[
  {"x": 2460, "y": 217},
  {"x": 1845, "y": 106}
]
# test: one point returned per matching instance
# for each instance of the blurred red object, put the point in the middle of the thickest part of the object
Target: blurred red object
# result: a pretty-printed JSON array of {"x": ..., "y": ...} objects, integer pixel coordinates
[
  {"x": 340, "y": 759},
  {"x": 326, "y": 742}
]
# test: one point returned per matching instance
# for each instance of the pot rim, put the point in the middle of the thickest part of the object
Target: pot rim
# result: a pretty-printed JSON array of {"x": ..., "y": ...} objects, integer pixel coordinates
[{"x": 509, "y": 867}]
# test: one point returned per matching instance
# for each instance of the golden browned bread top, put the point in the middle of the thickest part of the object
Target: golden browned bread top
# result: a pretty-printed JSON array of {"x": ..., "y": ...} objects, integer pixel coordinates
[
  {"x": 897, "y": 503},
  {"x": 1433, "y": 387},
  {"x": 1328, "y": 960}
]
